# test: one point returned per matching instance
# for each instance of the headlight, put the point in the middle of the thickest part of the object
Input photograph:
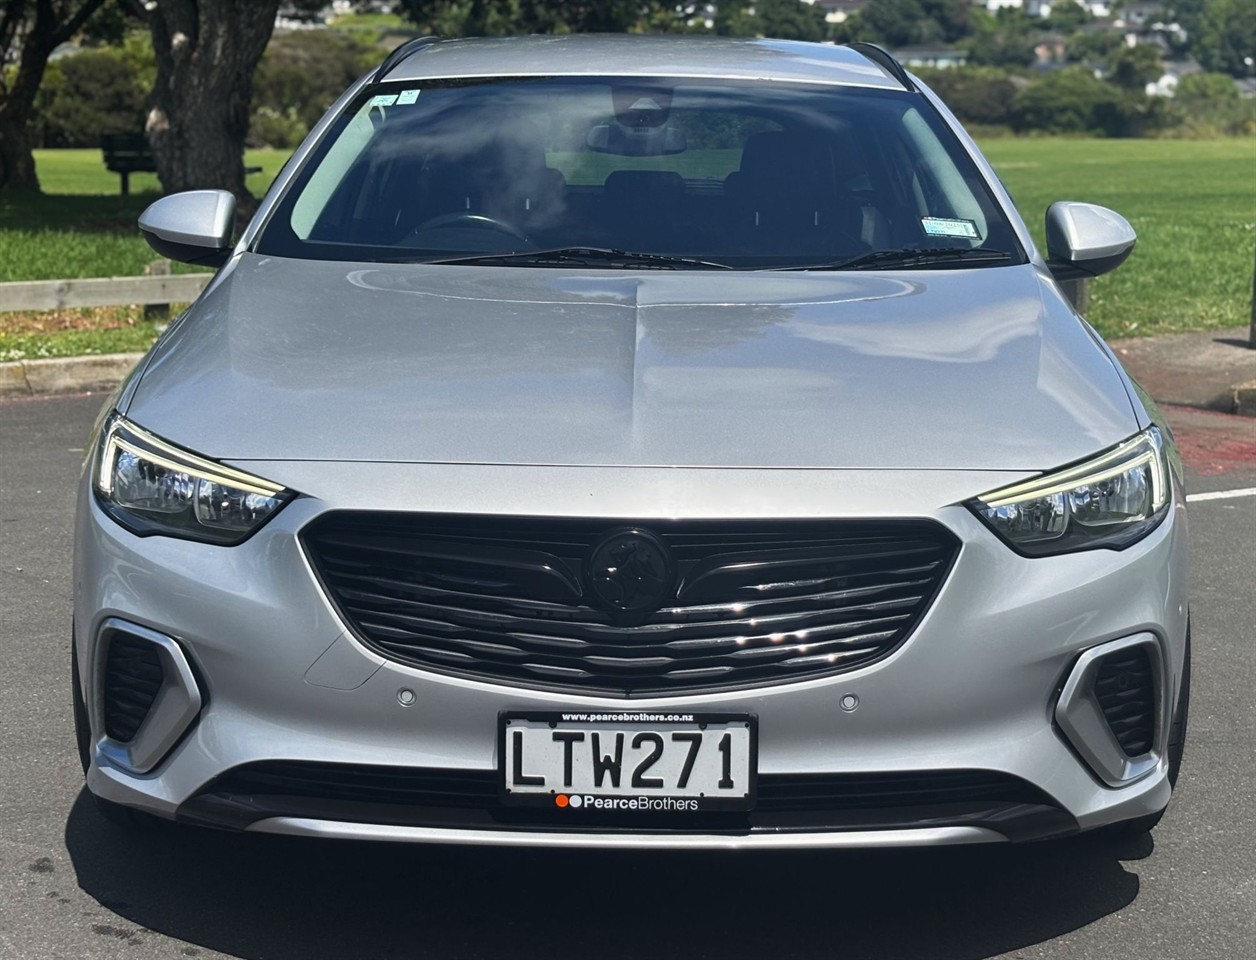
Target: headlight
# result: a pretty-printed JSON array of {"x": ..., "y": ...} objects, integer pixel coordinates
[
  {"x": 1110, "y": 501},
  {"x": 153, "y": 488}
]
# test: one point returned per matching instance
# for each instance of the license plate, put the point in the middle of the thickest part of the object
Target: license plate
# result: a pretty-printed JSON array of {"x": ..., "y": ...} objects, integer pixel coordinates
[{"x": 628, "y": 762}]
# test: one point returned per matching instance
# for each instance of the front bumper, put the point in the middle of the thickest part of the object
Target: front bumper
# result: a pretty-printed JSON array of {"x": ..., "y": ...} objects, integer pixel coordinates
[
  {"x": 848, "y": 839},
  {"x": 975, "y": 688}
]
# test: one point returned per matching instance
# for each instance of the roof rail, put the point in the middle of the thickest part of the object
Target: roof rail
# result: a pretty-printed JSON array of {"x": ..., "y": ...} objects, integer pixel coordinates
[
  {"x": 885, "y": 60},
  {"x": 401, "y": 53}
]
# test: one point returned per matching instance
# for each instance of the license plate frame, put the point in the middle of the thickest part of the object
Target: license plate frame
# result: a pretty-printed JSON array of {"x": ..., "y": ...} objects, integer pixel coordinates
[{"x": 627, "y": 722}]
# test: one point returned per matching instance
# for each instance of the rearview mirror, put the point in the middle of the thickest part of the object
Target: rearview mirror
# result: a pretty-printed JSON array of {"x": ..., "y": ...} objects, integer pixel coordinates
[
  {"x": 192, "y": 227},
  {"x": 640, "y": 141},
  {"x": 1085, "y": 240}
]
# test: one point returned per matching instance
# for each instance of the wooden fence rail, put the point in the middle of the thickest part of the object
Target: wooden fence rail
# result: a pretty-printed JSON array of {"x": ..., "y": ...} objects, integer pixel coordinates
[{"x": 102, "y": 292}]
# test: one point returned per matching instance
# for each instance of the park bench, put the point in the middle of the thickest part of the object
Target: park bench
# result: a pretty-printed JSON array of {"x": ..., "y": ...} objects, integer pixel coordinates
[
  {"x": 125, "y": 154},
  {"x": 128, "y": 153}
]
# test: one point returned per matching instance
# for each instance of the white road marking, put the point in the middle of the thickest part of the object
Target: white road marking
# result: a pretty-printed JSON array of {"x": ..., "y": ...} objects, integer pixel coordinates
[{"x": 1221, "y": 494}]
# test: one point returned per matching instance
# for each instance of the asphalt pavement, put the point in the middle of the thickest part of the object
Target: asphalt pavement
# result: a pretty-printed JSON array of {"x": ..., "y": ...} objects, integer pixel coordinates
[{"x": 72, "y": 885}]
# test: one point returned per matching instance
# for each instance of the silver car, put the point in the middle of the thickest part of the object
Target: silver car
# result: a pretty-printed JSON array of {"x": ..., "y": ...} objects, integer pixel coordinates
[{"x": 654, "y": 442}]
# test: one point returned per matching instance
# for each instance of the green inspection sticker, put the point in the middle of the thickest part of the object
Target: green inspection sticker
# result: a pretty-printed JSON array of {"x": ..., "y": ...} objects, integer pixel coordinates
[
  {"x": 384, "y": 100},
  {"x": 407, "y": 97},
  {"x": 939, "y": 227}
]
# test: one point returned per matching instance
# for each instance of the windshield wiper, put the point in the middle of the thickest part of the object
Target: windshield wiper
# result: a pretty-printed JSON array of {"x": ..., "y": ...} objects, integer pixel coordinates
[
  {"x": 924, "y": 257},
  {"x": 588, "y": 256}
]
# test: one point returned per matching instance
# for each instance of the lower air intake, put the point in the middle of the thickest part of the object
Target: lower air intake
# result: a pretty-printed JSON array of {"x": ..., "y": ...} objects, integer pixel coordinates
[
  {"x": 1125, "y": 688},
  {"x": 133, "y": 677}
]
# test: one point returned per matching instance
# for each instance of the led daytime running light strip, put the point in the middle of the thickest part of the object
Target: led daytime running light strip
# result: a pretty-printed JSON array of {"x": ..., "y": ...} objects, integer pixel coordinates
[
  {"x": 172, "y": 458},
  {"x": 1112, "y": 464}
]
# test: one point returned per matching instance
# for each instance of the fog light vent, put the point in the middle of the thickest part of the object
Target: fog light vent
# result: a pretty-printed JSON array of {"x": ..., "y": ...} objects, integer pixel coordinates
[
  {"x": 133, "y": 676},
  {"x": 1125, "y": 687}
]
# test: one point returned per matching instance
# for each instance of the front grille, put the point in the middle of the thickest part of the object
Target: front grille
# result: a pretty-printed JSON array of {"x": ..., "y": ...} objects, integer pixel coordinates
[
  {"x": 1126, "y": 690},
  {"x": 133, "y": 676},
  {"x": 749, "y": 603}
]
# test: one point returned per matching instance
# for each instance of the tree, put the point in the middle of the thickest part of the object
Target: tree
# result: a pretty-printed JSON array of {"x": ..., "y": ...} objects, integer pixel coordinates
[
  {"x": 734, "y": 19},
  {"x": 1095, "y": 47},
  {"x": 207, "y": 51},
  {"x": 1004, "y": 40},
  {"x": 1226, "y": 38},
  {"x": 790, "y": 20},
  {"x": 1002, "y": 49},
  {"x": 1067, "y": 17},
  {"x": 1132, "y": 68},
  {"x": 29, "y": 31},
  {"x": 475, "y": 18},
  {"x": 890, "y": 22},
  {"x": 662, "y": 17},
  {"x": 900, "y": 23}
]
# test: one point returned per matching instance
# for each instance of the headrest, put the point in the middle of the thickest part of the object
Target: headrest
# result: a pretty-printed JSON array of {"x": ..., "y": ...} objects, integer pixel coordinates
[
  {"x": 787, "y": 157},
  {"x": 626, "y": 184}
]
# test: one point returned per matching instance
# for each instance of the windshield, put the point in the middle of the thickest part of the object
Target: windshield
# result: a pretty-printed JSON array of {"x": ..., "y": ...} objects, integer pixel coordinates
[{"x": 742, "y": 174}]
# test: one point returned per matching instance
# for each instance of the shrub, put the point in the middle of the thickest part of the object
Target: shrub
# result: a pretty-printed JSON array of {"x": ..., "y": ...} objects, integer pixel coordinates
[
  {"x": 981, "y": 95},
  {"x": 1066, "y": 101},
  {"x": 301, "y": 74},
  {"x": 1205, "y": 90},
  {"x": 85, "y": 95},
  {"x": 1208, "y": 105},
  {"x": 1132, "y": 114}
]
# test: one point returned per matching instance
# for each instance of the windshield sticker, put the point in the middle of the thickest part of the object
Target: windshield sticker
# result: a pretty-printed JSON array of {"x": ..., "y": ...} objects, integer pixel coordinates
[
  {"x": 384, "y": 100},
  {"x": 407, "y": 97},
  {"x": 938, "y": 227}
]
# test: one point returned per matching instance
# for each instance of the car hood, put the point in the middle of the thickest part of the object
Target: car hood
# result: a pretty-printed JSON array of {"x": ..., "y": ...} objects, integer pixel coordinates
[{"x": 947, "y": 369}]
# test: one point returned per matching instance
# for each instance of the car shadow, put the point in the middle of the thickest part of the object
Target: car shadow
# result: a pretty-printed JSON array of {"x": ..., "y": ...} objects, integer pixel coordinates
[{"x": 255, "y": 896}]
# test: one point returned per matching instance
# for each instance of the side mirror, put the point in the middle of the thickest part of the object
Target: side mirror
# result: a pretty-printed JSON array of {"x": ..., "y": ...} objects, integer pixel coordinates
[
  {"x": 1085, "y": 240},
  {"x": 193, "y": 227}
]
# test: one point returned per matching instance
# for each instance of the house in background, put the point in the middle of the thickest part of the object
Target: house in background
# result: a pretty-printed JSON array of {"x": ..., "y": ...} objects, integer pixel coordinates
[
  {"x": 1141, "y": 13},
  {"x": 836, "y": 11},
  {"x": 1042, "y": 8},
  {"x": 1034, "y": 8},
  {"x": 931, "y": 55}
]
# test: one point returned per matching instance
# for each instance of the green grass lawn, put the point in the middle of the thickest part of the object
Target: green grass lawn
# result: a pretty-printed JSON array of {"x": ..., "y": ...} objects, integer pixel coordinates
[
  {"x": 81, "y": 226},
  {"x": 123, "y": 330},
  {"x": 1193, "y": 204}
]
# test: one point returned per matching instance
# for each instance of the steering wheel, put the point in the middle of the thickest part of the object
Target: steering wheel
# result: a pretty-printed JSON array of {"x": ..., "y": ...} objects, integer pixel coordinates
[{"x": 478, "y": 220}]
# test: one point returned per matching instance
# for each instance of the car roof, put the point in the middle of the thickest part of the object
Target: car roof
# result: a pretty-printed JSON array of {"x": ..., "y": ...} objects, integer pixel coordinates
[{"x": 641, "y": 56}]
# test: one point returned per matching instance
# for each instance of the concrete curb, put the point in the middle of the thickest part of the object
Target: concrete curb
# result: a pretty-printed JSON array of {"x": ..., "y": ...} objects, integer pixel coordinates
[
  {"x": 28, "y": 378},
  {"x": 1245, "y": 399},
  {"x": 1207, "y": 369}
]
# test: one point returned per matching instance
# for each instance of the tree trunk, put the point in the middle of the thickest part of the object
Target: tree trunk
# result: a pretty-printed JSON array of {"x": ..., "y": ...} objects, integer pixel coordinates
[
  {"x": 17, "y": 163},
  {"x": 35, "y": 29},
  {"x": 207, "y": 51}
]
